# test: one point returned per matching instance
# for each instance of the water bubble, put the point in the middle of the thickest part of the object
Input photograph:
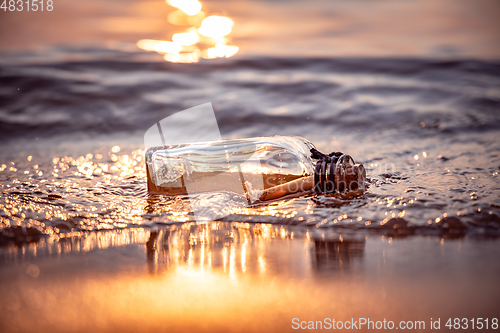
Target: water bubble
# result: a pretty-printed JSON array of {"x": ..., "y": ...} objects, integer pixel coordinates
[{"x": 33, "y": 271}]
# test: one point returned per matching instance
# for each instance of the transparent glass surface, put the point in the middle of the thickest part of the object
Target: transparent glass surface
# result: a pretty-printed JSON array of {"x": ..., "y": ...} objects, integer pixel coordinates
[{"x": 259, "y": 163}]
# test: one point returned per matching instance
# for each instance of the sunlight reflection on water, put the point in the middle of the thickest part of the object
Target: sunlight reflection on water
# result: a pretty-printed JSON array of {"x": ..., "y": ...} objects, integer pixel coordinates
[{"x": 207, "y": 37}]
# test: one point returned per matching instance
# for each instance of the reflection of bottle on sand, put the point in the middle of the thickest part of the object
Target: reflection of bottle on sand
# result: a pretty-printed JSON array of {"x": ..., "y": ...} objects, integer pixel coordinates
[
  {"x": 263, "y": 168},
  {"x": 250, "y": 249},
  {"x": 334, "y": 254}
]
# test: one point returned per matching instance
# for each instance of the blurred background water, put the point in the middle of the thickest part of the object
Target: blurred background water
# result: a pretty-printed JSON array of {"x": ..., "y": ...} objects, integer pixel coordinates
[{"x": 411, "y": 89}]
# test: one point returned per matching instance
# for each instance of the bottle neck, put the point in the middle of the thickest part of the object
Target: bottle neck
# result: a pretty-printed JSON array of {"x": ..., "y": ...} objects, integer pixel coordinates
[
  {"x": 337, "y": 172},
  {"x": 324, "y": 177}
]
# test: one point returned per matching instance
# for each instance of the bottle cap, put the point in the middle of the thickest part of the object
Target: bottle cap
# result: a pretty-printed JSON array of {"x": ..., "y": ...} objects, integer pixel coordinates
[
  {"x": 349, "y": 176},
  {"x": 358, "y": 176}
]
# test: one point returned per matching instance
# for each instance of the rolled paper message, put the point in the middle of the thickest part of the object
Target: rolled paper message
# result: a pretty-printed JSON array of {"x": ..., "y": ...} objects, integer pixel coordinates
[
  {"x": 299, "y": 185},
  {"x": 351, "y": 178}
]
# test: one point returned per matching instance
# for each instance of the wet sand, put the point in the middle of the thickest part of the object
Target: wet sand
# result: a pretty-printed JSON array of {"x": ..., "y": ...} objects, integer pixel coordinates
[{"x": 243, "y": 277}]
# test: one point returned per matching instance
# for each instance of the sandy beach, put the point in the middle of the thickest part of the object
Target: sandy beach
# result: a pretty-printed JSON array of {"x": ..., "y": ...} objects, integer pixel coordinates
[{"x": 239, "y": 277}]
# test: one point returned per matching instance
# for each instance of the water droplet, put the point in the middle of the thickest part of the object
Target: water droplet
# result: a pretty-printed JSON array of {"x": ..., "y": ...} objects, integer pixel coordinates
[{"x": 33, "y": 270}]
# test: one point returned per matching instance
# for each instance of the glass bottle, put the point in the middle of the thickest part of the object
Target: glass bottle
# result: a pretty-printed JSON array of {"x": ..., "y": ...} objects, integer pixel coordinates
[{"x": 261, "y": 168}]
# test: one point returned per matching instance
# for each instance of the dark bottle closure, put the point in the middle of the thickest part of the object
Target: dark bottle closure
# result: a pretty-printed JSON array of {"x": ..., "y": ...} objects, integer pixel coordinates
[{"x": 337, "y": 172}]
